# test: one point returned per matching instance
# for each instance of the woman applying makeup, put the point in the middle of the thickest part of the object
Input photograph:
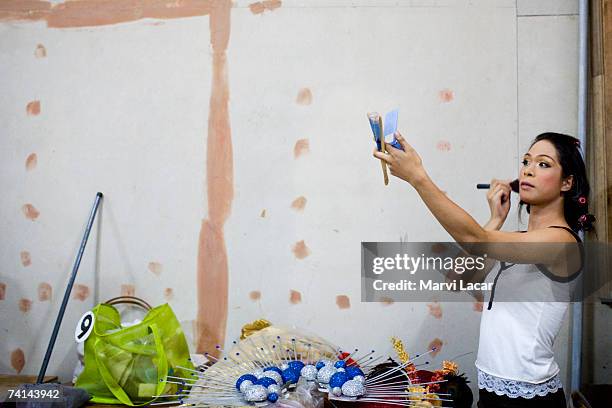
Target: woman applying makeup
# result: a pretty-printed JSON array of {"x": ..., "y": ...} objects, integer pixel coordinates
[{"x": 516, "y": 366}]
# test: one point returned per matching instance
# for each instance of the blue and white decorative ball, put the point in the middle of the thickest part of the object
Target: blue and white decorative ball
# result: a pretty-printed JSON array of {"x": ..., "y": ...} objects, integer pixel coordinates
[
  {"x": 244, "y": 385},
  {"x": 275, "y": 376},
  {"x": 296, "y": 365},
  {"x": 245, "y": 377},
  {"x": 309, "y": 372},
  {"x": 256, "y": 393},
  {"x": 322, "y": 363},
  {"x": 353, "y": 388},
  {"x": 352, "y": 371},
  {"x": 325, "y": 374},
  {"x": 275, "y": 389},
  {"x": 338, "y": 379},
  {"x": 265, "y": 381},
  {"x": 291, "y": 376}
]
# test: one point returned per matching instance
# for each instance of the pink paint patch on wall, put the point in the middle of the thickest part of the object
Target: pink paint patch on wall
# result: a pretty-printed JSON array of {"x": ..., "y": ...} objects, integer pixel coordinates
[
  {"x": 26, "y": 259},
  {"x": 443, "y": 146},
  {"x": 301, "y": 147},
  {"x": 40, "y": 52},
  {"x": 255, "y": 295},
  {"x": 2, "y": 290},
  {"x": 343, "y": 302},
  {"x": 168, "y": 294},
  {"x": 33, "y": 108},
  {"x": 30, "y": 212},
  {"x": 155, "y": 267},
  {"x": 44, "y": 292},
  {"x": 257, "y": 8},
  {"x": 212, "y": 258},
  {"x": 128, "y": 290},
  {"x": 304, "y": 97},
  {"x": 446, "y": 95},
  {"x": 435, "y": 310},
  {"x": 88, "y": 13},
  {"x": 387, "y": 301},
  {"x": 18, "y": 360},
  {"x": 295, "y": 297},
  {"x": 25, "y": 305},
  {"x": 261, "y": 6},
  {"x": 299, "y": 203},
  {"x": 80, "y": 292},
  {"x": 31, "y": 162},
  {"x": 437, "y": 345},
  {"x": 300, "y": 250}
]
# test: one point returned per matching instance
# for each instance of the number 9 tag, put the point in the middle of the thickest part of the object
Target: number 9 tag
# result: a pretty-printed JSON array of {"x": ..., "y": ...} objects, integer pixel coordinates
[{"x": 84, "y": 327}]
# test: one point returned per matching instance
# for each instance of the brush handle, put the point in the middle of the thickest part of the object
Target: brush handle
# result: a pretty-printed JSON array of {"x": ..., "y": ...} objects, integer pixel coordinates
[
  {"x": 514, "y": 185},
  {"x": 383, "y": 149}
]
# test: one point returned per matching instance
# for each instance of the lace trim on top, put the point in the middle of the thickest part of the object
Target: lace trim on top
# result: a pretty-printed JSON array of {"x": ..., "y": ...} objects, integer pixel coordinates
[{"x": 517, "y": 389}]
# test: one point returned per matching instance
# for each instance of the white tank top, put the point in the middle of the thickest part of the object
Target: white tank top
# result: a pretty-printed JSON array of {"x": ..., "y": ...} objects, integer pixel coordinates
[{"x": 516, "y": 338}]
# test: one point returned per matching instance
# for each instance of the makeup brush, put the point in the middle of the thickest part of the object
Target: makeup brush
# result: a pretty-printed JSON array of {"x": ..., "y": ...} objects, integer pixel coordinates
[{"x": 514, "y": 185}]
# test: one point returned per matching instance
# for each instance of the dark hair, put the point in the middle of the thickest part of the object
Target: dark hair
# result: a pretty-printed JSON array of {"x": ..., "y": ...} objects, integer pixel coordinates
[{"x": 576, "y": 200}]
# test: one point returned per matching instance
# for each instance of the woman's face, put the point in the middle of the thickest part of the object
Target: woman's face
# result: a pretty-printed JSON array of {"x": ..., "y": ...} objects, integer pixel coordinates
[{"x": 540, "y": 177}]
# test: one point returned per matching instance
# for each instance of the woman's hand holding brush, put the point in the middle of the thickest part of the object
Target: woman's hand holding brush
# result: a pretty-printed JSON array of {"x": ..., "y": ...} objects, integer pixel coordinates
[{"x": 405, "y": 164}]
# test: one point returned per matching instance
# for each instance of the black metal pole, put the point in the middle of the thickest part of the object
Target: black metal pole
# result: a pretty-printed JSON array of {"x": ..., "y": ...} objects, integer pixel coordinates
[{"x": 75, "y": 268}]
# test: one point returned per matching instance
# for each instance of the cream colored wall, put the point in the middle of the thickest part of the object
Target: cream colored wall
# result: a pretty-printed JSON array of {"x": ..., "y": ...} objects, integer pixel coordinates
[{"x": 124, "y": 110}]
